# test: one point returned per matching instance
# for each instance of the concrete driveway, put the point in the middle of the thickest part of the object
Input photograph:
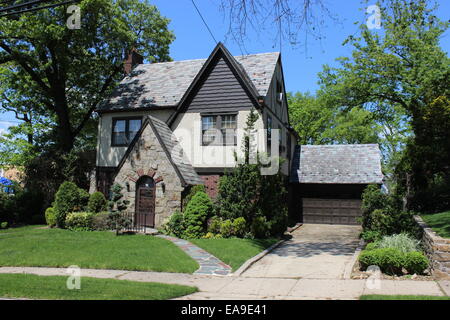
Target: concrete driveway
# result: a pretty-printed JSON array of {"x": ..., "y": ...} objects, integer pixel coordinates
[{"x": 315, "y": 252}]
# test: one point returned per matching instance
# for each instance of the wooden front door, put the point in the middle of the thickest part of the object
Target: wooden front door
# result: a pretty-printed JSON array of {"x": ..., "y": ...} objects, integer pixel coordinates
[{"x": 145, "y": 202}]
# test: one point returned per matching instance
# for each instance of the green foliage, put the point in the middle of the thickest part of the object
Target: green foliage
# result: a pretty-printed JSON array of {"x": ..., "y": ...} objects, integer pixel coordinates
[
  {"x": 4, "y": 225},
  {"x": 198, "y": 210},
  {"x": 214, "y": 224},
  {"x": 175, "y": 225},
  {"x": 50, "y": 217},
  {"x": 79, "y": 221},
  {"x": 97, "y": 202},
  {"x": 403, "y": 242},
  {"x": 239, "y": 227},
  {"x": 371, "y": 236},
  {"x": 117, "y": 209},
  {"x": 260, "y": 228},
  {"x": 192, "y": 191},
  {"x": 100, "y": 221},
  {"x": 69, "y": 198},
  {"x": 226, "y": 228},
  {"x": 415, "y": 262}
]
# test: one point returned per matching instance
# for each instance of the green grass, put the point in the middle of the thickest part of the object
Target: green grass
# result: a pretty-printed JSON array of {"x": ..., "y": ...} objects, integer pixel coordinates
[
  {"x": 54, "y": 287},
  {"x": 234, "y": 252},
  {"x": 439, "y": 222},
  {"x": 399, "y": 297},
  {"x": 33, "y": 247}
]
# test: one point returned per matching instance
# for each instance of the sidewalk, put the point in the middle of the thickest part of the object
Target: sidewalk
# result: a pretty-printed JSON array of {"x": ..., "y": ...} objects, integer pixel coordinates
[{"x": 229, "y": 287}]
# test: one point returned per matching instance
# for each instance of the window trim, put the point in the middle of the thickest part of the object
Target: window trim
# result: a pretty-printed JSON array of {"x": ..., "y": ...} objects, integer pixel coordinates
[
  {"x": 218, "y": 126},
  {"x": 127, "y": 129}
]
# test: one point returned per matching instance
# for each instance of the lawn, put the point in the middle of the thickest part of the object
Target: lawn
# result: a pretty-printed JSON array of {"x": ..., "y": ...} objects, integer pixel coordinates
[
  {"x": 234, "y": 252},
  {"x": 399, "y": 297},
  {"x": 33, "y": 247},
  {"x": 439, "y": 222},
  {"x": 54, "y": 287}
]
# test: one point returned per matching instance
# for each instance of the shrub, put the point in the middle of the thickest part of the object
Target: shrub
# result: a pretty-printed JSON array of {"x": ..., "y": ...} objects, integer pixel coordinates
[
  {"x": 69, "y": 198},
  {"x": 198, "y": 210},
  {"x": 50, "y": 217},
  {"x": 209, "y": 235},
  {"x": 371, "y": 246},
  {"x": 259, "y": 227},
  {"x": 389, "y": 260},
  {"x": 214, "y": 224},
  {"x": 370, "y": 236},
  {"x": 79, "y": 221},
  {"x": 226, "y": 228},
  {"x": 192, "y": 191},
  {"x": 97, "y": 202},
  {"x": 415, "y": 262},
  {"x": 4, "y": 225},
  {"x": 175, "y": 225},
  {"x": 402, "y": 242},
  {"x": 117, "y": 208},
  {"x": 100, "y": 221},
  {"x": 239, "y": 227}
]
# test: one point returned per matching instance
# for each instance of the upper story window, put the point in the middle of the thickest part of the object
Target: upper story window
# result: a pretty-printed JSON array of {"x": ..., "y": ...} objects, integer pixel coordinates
[
  {"x": 124, "y": 130},
  {"x": 219, "y": 130},
  {"x": 279, "y": 92}
]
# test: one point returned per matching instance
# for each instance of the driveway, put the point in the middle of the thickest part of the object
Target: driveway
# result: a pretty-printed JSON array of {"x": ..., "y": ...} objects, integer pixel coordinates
[{"x": 316, "y": 251}]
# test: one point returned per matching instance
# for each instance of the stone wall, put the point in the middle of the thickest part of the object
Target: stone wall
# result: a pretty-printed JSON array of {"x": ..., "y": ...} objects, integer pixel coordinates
[{"x": 437, "y": 250}]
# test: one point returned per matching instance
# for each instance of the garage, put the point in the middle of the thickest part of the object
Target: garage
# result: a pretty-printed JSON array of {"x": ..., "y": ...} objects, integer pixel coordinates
[{"x": 327, "y": 182}]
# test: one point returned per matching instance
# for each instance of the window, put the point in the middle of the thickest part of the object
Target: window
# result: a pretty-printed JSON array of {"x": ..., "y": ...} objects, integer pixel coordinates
[
  {"x": 219, "y": 130},
  {"x": 124, "y": 131},
  {"x": 269, "y": 134}
]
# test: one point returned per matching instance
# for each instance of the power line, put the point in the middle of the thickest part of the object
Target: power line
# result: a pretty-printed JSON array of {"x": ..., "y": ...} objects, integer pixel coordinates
[
  {"x": 207, "y": 27},
  {"x": 25, "y": 7}
]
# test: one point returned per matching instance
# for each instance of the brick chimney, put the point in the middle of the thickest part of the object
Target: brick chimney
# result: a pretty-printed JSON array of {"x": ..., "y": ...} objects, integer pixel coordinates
[{"x": 131, "y": 61}]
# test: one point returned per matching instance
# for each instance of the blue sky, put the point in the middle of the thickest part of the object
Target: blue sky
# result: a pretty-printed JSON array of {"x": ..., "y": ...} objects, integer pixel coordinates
[{"x": 301, "y": 66}]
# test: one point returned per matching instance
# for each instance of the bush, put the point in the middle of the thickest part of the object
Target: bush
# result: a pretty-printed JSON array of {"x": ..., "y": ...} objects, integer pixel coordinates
[
  {"x": 175, "y": 225},
  {"x": 415, "y": 262},
  {"x": 371, "y": 236},
  {"x": 214, "y": 224},
  {"x": 226, "y": 228},
  {"x": 79, "y": 221},
  {"x": 100, "y": 221},
  {"x": 371, "y": 246},
  {"x": 402, "y": 242},
  {"x": 260, "y": 228},
  {"x": 69, "y": 198},
  {"x": 239, "y": 227},
  {"x": 198, "y": 210},
  {"x": 97, "y": 202},
  {"x": 389, "y": 260},
  {"x": 4, "y": 225},
  {"x": 50, "y": 217},
  {"x": 192, "y": 191}
]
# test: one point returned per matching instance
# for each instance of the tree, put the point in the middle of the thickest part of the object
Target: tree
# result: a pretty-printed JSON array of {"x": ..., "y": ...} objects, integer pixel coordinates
[
  {"x": 62, "y": 74},
  {"x": 399, "y": 75}
]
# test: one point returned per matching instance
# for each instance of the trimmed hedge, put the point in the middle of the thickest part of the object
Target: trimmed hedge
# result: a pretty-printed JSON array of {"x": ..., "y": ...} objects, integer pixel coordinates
[
  {"x": 69, "y": 198},
  {"x": 50, "y": 217},
  {"x": 79, "y": 221},
  {"x": 392, "y": 261},
  {"x": 97, "y": 202}
]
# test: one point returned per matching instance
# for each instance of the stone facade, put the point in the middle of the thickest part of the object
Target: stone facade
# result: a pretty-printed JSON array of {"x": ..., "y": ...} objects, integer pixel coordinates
[
  {"x": 437, "y": 250},
  {"x": 148, "y": 158}
]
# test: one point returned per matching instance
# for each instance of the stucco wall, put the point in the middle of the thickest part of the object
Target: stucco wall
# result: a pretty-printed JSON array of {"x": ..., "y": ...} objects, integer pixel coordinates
[{"x": 108, "y": 156}]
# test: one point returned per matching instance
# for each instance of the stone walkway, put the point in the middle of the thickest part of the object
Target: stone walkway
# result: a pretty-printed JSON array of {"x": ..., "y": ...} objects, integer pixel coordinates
[{"x": 209, "y": 265}]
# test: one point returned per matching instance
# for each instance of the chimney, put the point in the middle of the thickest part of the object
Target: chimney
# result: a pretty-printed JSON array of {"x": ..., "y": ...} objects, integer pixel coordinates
[{"x": 131, "y": 61}]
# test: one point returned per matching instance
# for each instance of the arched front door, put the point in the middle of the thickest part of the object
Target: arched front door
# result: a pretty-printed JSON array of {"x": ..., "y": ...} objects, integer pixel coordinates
[{"x": 145, "y": 202}]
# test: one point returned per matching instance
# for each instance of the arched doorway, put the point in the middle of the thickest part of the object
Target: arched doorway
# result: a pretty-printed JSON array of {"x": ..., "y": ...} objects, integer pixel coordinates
[{"x": 145, "y": 202}]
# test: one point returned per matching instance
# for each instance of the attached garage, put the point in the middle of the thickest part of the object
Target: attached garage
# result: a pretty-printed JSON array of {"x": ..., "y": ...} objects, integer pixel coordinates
[{"x": 327, "y": 182}]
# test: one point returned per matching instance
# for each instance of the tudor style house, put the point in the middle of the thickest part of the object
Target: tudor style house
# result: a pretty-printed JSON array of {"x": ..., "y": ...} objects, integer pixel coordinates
[{"x": 172, "y": 125}]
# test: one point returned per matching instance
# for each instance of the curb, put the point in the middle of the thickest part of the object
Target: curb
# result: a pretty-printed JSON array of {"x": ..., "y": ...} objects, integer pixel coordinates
[
  {"x": 251, "y": 261},
  {"x": 349, "y": 268}
]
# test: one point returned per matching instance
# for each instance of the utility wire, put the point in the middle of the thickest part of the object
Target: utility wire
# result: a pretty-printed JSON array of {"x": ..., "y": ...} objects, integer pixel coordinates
[
  {"x": 24, "y": 6},
  {"x": 207, "y": 27}
]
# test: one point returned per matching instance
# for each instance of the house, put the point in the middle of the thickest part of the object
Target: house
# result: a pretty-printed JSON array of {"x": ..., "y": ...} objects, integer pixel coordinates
[
  {"x": 158, "y": 132},
  {"x": 328, "y": 181},
  {"x": 171, "y": 125}
]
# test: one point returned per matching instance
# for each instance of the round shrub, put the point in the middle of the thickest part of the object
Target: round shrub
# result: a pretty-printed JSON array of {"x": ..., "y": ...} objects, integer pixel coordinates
[
  {"x": 69, "y": 198},
  {"x": 175, "y": 225},
  {"x": 226, "y": 228},
  {"x": 389, "y": 260},
  {"x": 79, "y": 221},
  {"x": 100, "y": 221},
  {"x": 214, "y": 224},
  {"x": 192, "y": 191},
  {"x": 260, "y": 227},
  {"x": 4, "y": 225},
  {"x": 239, "y": 227},
  {"x": 415, "y": 262},
  {"x": 198, "y": 210},
  {"x": 97, "y": 202},
  {"x": 50, "y": 217}
]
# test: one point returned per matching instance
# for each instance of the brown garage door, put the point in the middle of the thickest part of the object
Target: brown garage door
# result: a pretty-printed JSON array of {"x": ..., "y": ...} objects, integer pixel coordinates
[{"x": 331, "y": 211}]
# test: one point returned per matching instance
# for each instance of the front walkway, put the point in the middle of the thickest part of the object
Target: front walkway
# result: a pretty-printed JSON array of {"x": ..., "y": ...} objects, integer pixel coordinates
[
  {"x": 316, "y": 251},
  {"x": 213, "y": 287}
]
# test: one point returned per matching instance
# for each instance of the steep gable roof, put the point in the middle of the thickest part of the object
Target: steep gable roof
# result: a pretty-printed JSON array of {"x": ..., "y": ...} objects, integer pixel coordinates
[
  {"x": 168, "y": 142},
  {"x": 337, "y": 164},
  {"x": 165, "y": 84}
]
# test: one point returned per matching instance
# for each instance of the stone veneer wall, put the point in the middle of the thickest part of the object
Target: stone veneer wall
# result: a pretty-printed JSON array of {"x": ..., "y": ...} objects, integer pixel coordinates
[
  {"x": 149, "y": 159},
  {"x": 437, "y": 250}
]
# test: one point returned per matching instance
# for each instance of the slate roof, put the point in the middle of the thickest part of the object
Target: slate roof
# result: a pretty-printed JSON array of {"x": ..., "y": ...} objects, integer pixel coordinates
[
  {"x": 164, "y": 84},
  {"x": 337, "y": 164},
  {"x": 169, "y": 143}
]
